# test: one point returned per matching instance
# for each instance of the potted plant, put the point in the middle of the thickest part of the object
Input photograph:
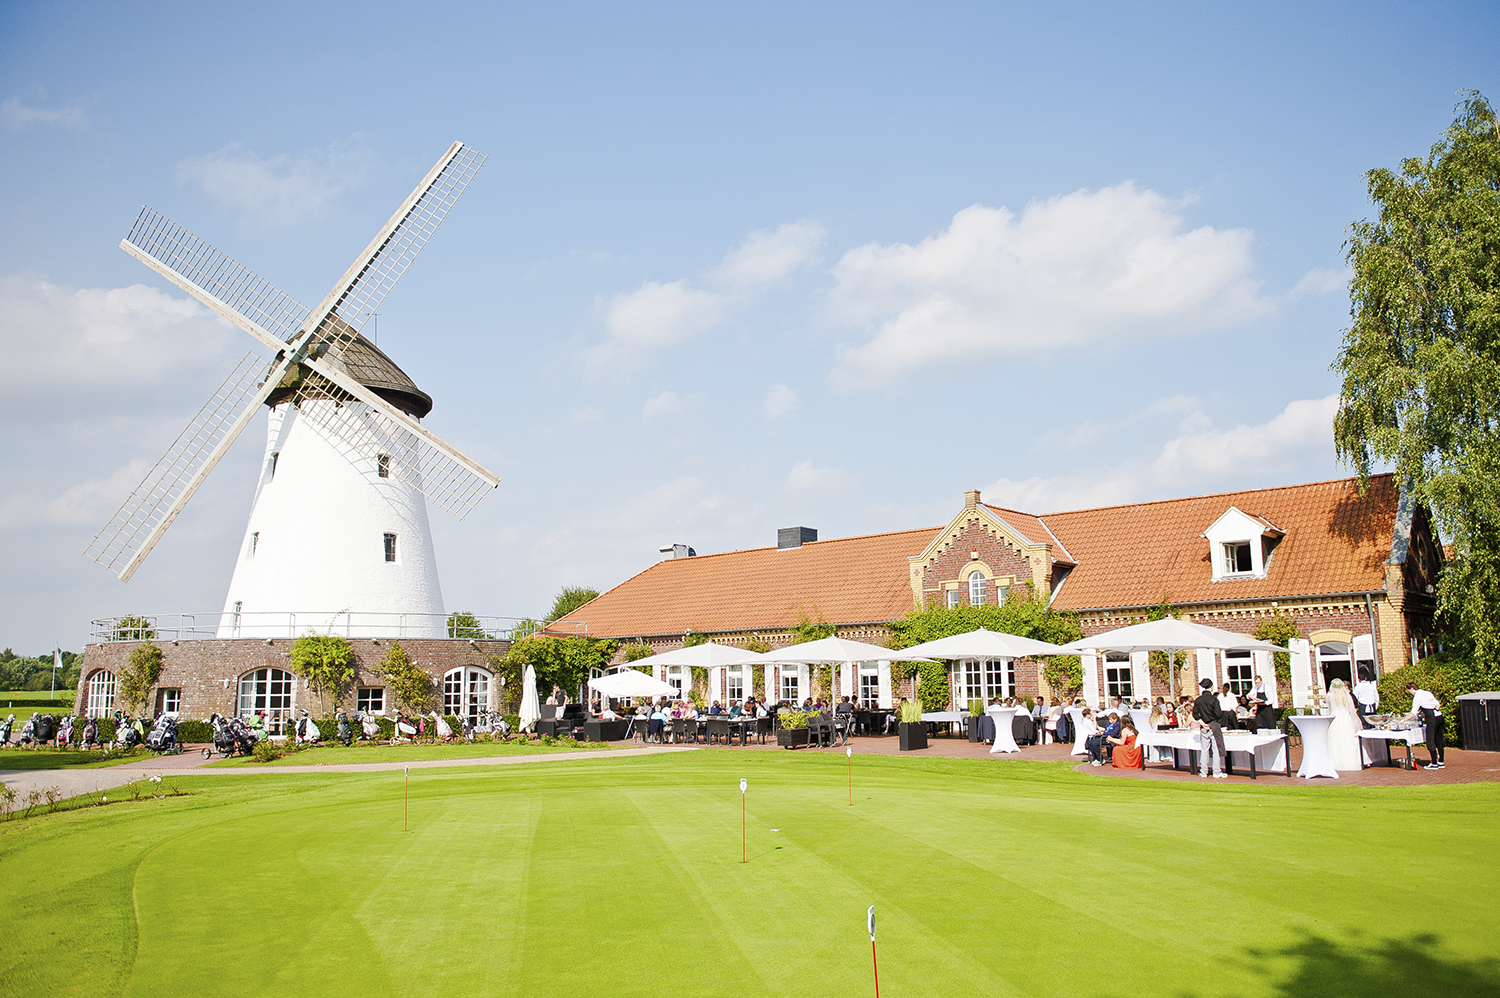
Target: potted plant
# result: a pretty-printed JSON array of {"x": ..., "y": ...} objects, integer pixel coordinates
[
  {"x": 913, "y": 729},
  {"x": 792, "y": 729},
  {"x": 976, "y": 711}
]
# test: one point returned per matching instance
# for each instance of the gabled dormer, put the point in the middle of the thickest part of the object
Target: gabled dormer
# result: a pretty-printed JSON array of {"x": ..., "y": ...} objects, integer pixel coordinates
[{"x": 1240, "y": 545}]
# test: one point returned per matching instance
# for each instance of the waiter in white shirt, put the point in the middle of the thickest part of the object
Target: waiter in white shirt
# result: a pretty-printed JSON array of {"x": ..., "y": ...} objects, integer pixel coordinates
[
  {"x": 1425, "y": 706},
  {"x": 1366, "y": 694}
]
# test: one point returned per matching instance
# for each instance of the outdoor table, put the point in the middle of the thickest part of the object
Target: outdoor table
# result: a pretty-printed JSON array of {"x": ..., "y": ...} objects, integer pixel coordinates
[
  {"x": 1005, "y": 739},
  {"x": 945, "y": 716},
  {"x": 1075, "y": 717},
  {"x": 1267, "y": 751},
  {"x": 1411, "y": 736},
  {"x": 1315, "y": 759},
  {"x": 598, "y": 730}
]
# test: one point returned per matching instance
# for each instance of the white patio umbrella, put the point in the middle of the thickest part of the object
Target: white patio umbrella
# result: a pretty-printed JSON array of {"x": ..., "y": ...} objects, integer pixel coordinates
[
  {"x": 983, "y": 643},
  {"x": 1168, "y": 635},
  {"x": 531, "y": 707},
  {"x": 631, "y": 683}
]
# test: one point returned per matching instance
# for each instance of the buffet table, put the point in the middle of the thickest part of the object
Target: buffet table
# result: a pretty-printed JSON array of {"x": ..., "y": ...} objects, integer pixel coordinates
[
  {"x": 1375, "y": 736},
  {"x": 1266, "y": 751}
]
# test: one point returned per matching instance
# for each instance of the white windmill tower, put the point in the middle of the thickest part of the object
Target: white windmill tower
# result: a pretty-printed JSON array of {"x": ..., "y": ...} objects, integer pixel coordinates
[{"x": 338, "y": 532}]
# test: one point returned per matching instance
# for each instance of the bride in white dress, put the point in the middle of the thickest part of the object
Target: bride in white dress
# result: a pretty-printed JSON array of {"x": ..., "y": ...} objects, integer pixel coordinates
[{"x": 1343, "y": 740}]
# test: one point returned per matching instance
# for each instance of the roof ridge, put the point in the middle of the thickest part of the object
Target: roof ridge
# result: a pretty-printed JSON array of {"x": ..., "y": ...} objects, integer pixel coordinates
[
  {"x": 1208, "y": 495},
  {"x": 771, "y": 547}
]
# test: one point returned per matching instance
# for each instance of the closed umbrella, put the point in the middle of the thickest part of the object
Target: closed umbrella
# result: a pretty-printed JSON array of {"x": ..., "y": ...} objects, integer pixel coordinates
[{"x": 531, "y": 707}]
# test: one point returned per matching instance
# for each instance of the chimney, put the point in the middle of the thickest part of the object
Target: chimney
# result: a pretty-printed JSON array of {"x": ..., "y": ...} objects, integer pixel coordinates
[
  {"x": 677, "y": 551},
  {"x": 794, "y": 537},
  {"x": 971, "y": 499}
]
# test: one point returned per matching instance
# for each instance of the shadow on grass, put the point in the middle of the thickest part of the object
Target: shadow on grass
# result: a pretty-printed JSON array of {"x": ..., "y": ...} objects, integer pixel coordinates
[
  {"x": 17, "y": 760},
  {"x": 1416, "y": 965}
]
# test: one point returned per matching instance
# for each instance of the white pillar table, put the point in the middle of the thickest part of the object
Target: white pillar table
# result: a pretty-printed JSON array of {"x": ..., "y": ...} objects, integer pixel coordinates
[
  {"x": 1315, "y": 758},
  {"x": 1075, "y": 714},
  {"x": 1005, "y": 733}
]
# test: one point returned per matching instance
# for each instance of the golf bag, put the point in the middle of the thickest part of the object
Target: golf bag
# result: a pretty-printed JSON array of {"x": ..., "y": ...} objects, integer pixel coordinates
[
  {"x": 91, "y": 732},
  {"x": 344, "y": 734},
  {"x": 130, "y": 732},
  {"x": 368, "y": 726},
  {"x": 5, "y": 727},
  {"x": 28, "y": 731},
  {"x": 230, "y": 737},
  {"x": 307, "y": 730},
  {"x": 497, "y": 723},
  {"x": 404, "y": 729},
  {"x": 163, "y": 736},
  {"x": 65, "y": 732},
  {"x": 442, "y": 728},
  {"x": 45, "y": 725}
]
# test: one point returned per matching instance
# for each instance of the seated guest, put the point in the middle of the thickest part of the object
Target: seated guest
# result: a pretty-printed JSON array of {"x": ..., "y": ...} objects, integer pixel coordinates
[
  {"x": 1054, "y": 714},
  {"x": 735, "y": 709},
  {"x": 715, "y": 709},
  {"x": 658, "y": 721},
  {"x": 1089, "y": 729},
  {"x": 608, "y": 713},
  {"x": 844, "y": 707},
  {"x": 690, "y": 710},
  {"x": 1229, "y": 706},
  {"x": 1099, "y": 745},
  {"x": 1127, "y": 754}
]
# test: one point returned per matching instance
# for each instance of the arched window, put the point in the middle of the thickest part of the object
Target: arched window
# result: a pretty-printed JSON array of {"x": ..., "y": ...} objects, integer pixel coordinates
[
  {"x": 101, "y": 694},
  {"x": 976, "y": 589},
  {"x": 271, "y": 692},
  {"x": 466, "y": 693}
]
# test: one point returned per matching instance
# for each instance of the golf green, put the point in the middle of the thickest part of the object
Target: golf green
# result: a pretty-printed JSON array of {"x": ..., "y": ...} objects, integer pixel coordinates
[{"x": 623, "y": 877}]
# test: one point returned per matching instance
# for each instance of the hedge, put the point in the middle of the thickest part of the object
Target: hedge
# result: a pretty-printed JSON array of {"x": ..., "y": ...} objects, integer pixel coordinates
[
  {"x": 194, "y": 732},
  {"x": 1446, "y": 678}
]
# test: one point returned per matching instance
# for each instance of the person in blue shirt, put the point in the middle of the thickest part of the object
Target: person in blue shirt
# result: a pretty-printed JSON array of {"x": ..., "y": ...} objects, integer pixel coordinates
[{"x": 1097, "y": 744}]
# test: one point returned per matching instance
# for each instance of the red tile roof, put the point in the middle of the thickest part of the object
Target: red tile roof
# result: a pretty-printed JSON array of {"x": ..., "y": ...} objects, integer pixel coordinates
[
  {"x": 1336, "y": 541},
  {"x": 849, "y": 580}
]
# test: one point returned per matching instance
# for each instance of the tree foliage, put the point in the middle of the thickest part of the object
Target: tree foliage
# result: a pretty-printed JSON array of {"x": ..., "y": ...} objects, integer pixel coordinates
[
  {"x": 1279, "y": 627},
  {"x": 570, "y": 599},
  {"x": 1157, "y": 660},
  {"x": 22, "y": 672},
  {"x": 139, "y": 677},
  {"x": 409, "y": 684},
  {"x": 326, "y": 661},
  {"x": 463, "y": 624},
  {"x": 1421, "y": 358},
  {"x": 133, "y": 627},
  {"x": 563, "y": 662}
]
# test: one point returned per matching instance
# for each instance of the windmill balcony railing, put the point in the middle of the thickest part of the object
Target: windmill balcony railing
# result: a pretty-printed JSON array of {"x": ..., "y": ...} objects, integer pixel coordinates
[{"x": 218, "y": 625}]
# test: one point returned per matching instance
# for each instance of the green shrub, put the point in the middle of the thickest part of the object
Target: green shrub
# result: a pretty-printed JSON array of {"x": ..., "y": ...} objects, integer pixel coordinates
[
  {"x": 1446, "y": 677},
  {"x": 387, "y": 728},
  {"x": 188, "y": 731},
  {"x": 455, "y": 723},
  {"x": 141, "y": 671},
  {"x": 514, "y": 720},
  {"x": 791, "y": 719},
  {"x": 107, "y": 730},
  {"x": 328, "y": 728},
  {"x": 266, "y": 751},
  {"x": 976, "y": 708},
  {"x": 911, "y": 712}
]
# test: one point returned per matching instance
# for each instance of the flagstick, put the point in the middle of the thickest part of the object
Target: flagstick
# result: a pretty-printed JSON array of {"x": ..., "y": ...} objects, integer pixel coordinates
[
  {"x": 743, "y": 785},
  {"x": 849, "y": 754},
  {"x": 876, "y": 964},
  {"x": 406, "y": 798}
]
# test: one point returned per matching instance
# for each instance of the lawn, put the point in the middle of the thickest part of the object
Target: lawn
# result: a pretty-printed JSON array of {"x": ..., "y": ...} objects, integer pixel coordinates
[
  {"x": 53, "y": 758},
  {"x": 329, "y": 755},
  {"x": 623, "y": 877}
]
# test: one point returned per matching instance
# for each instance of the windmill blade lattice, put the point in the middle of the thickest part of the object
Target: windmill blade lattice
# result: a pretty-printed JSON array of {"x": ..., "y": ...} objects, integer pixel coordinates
[
  {"x": 373, "y": 435},
  {"x": 399, "y": 242},
  {"x": 150, "y": 509},
  {"x": 168, "y": 243}
]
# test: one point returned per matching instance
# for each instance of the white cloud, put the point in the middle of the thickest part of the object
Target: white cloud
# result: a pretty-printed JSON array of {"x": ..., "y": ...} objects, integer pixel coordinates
[
  {"x": 780, "y": 401},
  {"x": 768, "y": 256},
  {"x": 807, "y": 476},
  {"x": 17, "y": 115},
  {"x": 1321, "y": 281},
  {"x": 85, "y": 504},
  {"x": 1304, "y": 425},
  {"x": 669, "y": 403},
  {"x": 661, "y": 314},
  {"x": 278, "y": 191},
  {"x": 588, "y": 414},
  {"x": 1200, "y": 459},
  {"x": 95, "y": 345},
  {"x": 1088, "y": 267}
]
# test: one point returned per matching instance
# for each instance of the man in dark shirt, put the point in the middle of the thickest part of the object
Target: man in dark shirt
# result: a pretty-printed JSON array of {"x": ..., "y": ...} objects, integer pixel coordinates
[{"x": 1207, "y": 713}]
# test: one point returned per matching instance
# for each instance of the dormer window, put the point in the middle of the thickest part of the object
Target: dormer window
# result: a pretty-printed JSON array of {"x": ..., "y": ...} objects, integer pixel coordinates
[{"x": 1237, "y": 558}]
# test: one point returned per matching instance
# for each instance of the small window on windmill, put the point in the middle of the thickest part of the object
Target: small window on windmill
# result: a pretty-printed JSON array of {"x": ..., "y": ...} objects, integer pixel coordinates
[
  {"x": 390, "y": 547},
  {"x": 383, "y": 466},
  {"x": 275, "y": 457},
  {"x": 254, "y": 542}
]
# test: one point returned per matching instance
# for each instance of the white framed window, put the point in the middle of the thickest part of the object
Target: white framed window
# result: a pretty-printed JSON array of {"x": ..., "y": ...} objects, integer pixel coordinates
[
  {"x": 976, "y": 589},
  {"x": 791, "y": 689},
  {"x": 680, "y": 676},
  {"x": 869, "y": 686},
  {"x": 734, "y": 684},
  {"x": 370, "y": 699},
  {"x": 1239, "y": 671},
  {"x": 269, "y": 691},
  {"x": 169, "y": 701},
  {"x": 1334, "y": 662},
  {"x": 1237, "y": 559},
  {"x": 1000, "y": 594},
  {"x": 971, "y": 686},
  {"x": 1118, "y": 681},
  {"x": 101, "y": 694},
  {"x": 390, "y": 547},
  {"x": 952, "y": 598},
  {"x": 383, "y": 465},
  {"x": 466, "y": 693}
]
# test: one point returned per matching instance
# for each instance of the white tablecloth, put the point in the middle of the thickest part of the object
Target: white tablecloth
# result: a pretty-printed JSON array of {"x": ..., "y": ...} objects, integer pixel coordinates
[
  {"x": 1005, "y": 721},
  {"x": 1315, "y": 758},
  {"x": 946, "y": 716},
  {"x": 1269, "y": 750},
  {"x": 1375, "y": 743}
]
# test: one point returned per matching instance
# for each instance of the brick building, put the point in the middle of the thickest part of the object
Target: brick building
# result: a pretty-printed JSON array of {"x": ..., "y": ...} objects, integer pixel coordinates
[
  {"x": 206, "y": 676},
  {"x": 1355, "y": 573}
]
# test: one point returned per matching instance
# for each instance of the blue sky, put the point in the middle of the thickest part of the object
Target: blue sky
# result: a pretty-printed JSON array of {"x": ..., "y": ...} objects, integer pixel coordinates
[{"x": 724, "y": 271}]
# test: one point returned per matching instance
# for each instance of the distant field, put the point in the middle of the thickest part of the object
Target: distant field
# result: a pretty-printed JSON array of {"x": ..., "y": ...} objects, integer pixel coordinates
[{"x": 622, "y": 876}]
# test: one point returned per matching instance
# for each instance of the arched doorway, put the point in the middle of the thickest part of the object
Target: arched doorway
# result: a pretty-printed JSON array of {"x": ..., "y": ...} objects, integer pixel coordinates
[
  {"x": 101, "y": 694},
  {"x": 271, "y": 692},
  {"x": 466, "y": 693}
]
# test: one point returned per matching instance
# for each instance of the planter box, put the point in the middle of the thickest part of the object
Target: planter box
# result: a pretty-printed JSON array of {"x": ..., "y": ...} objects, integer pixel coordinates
[
  {"x": 790, "y": 738},
  {"x": 973, "y": 728},
  {"x": 913, "y": 736}
]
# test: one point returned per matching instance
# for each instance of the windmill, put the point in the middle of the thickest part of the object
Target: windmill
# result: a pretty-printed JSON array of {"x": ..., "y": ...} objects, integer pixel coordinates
[{"x": 339, "y": 519}]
